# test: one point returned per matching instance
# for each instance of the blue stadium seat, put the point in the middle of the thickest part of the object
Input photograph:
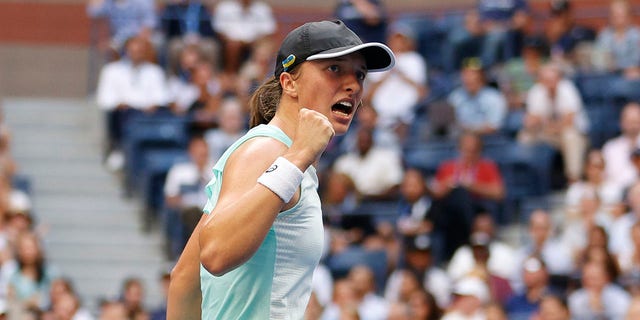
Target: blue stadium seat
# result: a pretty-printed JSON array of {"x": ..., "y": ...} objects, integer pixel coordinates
[
  {"x": 595, "y": 88},
  {"x": 604, "y": 123},
  {"x": 378, "y": 210},
  {"x": 428, "y": 156},
  {"x": 340, "y": 264},
  {"x": 147, "y": 133},
  {"x": 155, "y": 166}
]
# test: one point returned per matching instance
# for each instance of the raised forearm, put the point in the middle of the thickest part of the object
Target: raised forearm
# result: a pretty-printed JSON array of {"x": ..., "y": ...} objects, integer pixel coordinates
[{"x": 235, "y": 232}]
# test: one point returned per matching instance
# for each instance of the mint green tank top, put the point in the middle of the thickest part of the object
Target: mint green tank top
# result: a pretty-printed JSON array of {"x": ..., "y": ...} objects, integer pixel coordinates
[{"x": 276, "y": 282}]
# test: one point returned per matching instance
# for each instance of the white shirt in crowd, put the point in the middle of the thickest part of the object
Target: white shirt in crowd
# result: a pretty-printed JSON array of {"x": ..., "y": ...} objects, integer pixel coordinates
[
  {"x": 567, "y": 100},
  {"x": 501, "y": 261},
  {"x": 183, "y": 175},
  {"x": 395, "y": 100},
  {"x": 239, "y": 24},
  {"x": 617, "y": 156},
  {"x": 377, "y": 172},
  {"x": 140, "y": 87}
]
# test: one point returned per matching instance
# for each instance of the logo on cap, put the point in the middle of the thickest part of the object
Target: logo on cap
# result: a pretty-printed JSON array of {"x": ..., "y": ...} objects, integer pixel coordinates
[{"x": 286, "y": 63}]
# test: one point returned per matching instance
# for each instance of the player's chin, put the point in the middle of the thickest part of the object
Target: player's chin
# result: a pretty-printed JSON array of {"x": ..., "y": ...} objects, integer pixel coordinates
[{"x": 340, "y": 122}]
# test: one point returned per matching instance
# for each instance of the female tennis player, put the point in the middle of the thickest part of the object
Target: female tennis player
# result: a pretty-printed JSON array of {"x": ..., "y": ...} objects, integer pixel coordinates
[{"x": 253, "y": 253}]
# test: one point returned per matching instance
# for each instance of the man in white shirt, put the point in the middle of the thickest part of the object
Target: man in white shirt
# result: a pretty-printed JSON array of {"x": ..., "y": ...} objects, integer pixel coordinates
[
  {"x": 375, "y": 171},
  {"x": 184, "y": 188},
  {"x": 130, "y": 86},
  {"x": 555, "y": 115},
  {"x": 617, "y": 152},
  {"x": 240, "y": 23},
  {"x": 395, "y": 93}
]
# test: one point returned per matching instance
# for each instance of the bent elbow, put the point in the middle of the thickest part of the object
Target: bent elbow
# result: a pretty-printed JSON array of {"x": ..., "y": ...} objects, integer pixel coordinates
[{"x": 214, "y": 262}]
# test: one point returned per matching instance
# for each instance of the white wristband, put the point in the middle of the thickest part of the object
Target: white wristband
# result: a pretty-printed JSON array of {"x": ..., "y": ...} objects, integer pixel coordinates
[{"x": 283, "y": 178}]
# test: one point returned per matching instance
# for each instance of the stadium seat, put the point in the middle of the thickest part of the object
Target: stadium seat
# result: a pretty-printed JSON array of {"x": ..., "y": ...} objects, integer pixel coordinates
[
  {"x": 428, "y": 156},
  {"x": 147, "y": 133}
]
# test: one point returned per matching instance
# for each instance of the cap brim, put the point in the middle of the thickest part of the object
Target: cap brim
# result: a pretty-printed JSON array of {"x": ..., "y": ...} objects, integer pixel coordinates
[{"x": 377, "y": 55}]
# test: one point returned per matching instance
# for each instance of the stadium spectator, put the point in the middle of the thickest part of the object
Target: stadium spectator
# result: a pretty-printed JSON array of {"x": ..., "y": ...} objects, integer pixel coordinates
[
  {"x": 29, "y": 285},
  {"x": 577, "y": 228},
  {"x": 231, "y": 126},
  {"x": 595, "y": 181},
  {"x": 127, "y": 19},
  {"x": 257, "y": 68},
  {"x": 370, "y": 305},
  {"x": 555, "y": 115},
  {"x": 367, "y": 159},
  {"x": 470, "y": 296},
  {"x": 541, "y": 242},
  {"x": 419, "y": 261},
  {"x": 599, "y": 297},
  {"x": 629, "y": 261},
  {"x": 129, "y": 87},
  {"x": 239, "y": 24},
  {"x": 478, "y": 107},
  {"x": 344, "y": 303},
  {"x": 212, "y": 88},
  {"x": 484, "y": 253},
  {"x": 395, "y": 93},
  {"x": 113, "y": 310},
  {"x": 526, "y": 303},
  {"x": 367, "y": 18},
  {"x": 499, "y": 19},
  {"x": 367, "y": 119},
  {"x": 617, "y": 152},
  {"x": 188, "y": 22},
  {"x": 620, "y": 40},
  {"x": 423, "y": 306},
  {"x": 182, "y": 90},
  {"x": 553, "y": 307},
  {"x": 620, "y": 230},
  {"x": 464, "y": 41},
  {"x": 413, "y": 217},
  {"x": 183, "y": 190},
  {"x": 132, "y": 296},
  {"x": 462, "y": 187},
  {"x": 564, "y": 34},
  {"x": 519, "y": 74},
  {"x": 67, "y": 307}
]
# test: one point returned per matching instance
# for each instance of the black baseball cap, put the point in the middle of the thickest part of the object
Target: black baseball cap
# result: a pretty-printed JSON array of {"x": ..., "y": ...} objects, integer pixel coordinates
[{"x": 326, "y": 40}]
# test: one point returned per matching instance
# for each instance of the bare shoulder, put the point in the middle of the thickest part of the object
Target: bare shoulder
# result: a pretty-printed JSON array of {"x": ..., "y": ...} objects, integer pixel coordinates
[{"x": 250, "y": 160}]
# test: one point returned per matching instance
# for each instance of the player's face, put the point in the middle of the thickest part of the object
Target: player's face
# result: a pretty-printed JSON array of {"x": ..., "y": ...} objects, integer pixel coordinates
[{"x": 333, "y": 87}]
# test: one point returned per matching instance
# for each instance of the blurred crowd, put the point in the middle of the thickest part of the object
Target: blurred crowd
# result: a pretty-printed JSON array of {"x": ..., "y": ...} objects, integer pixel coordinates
[{"x": 501, "y": 88}]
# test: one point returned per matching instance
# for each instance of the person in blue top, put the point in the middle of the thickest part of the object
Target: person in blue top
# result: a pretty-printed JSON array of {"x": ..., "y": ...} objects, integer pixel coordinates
[{"x": 253, "y": 252}]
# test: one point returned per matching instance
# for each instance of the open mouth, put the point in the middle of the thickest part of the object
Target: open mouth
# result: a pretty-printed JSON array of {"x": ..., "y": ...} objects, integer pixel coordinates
[{"x": 343, "y": 107}]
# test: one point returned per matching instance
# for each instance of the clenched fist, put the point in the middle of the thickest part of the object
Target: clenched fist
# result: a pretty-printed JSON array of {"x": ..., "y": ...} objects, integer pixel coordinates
[{"x": 310, "y": 139}]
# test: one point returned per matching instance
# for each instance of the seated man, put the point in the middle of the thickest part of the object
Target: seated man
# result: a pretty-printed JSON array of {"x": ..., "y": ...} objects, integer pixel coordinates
[
  {"x": 183, "y": 190},
  {"x": 555, "y": 115},
  {"x": 128, "y": 87},
  {"x": 395, "y": 93},
  {"x": 376, "y": 171},
  {"x": 462, "y": 187},
  {"x": 478, "y": 107}
]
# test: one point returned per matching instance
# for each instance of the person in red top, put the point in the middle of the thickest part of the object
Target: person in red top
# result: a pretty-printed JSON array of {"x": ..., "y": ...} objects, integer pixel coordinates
[{"x": 464, "y": 186}]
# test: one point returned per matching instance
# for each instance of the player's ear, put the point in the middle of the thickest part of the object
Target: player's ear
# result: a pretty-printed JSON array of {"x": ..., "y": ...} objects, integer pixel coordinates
[{"x": 288, "y": 85}]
